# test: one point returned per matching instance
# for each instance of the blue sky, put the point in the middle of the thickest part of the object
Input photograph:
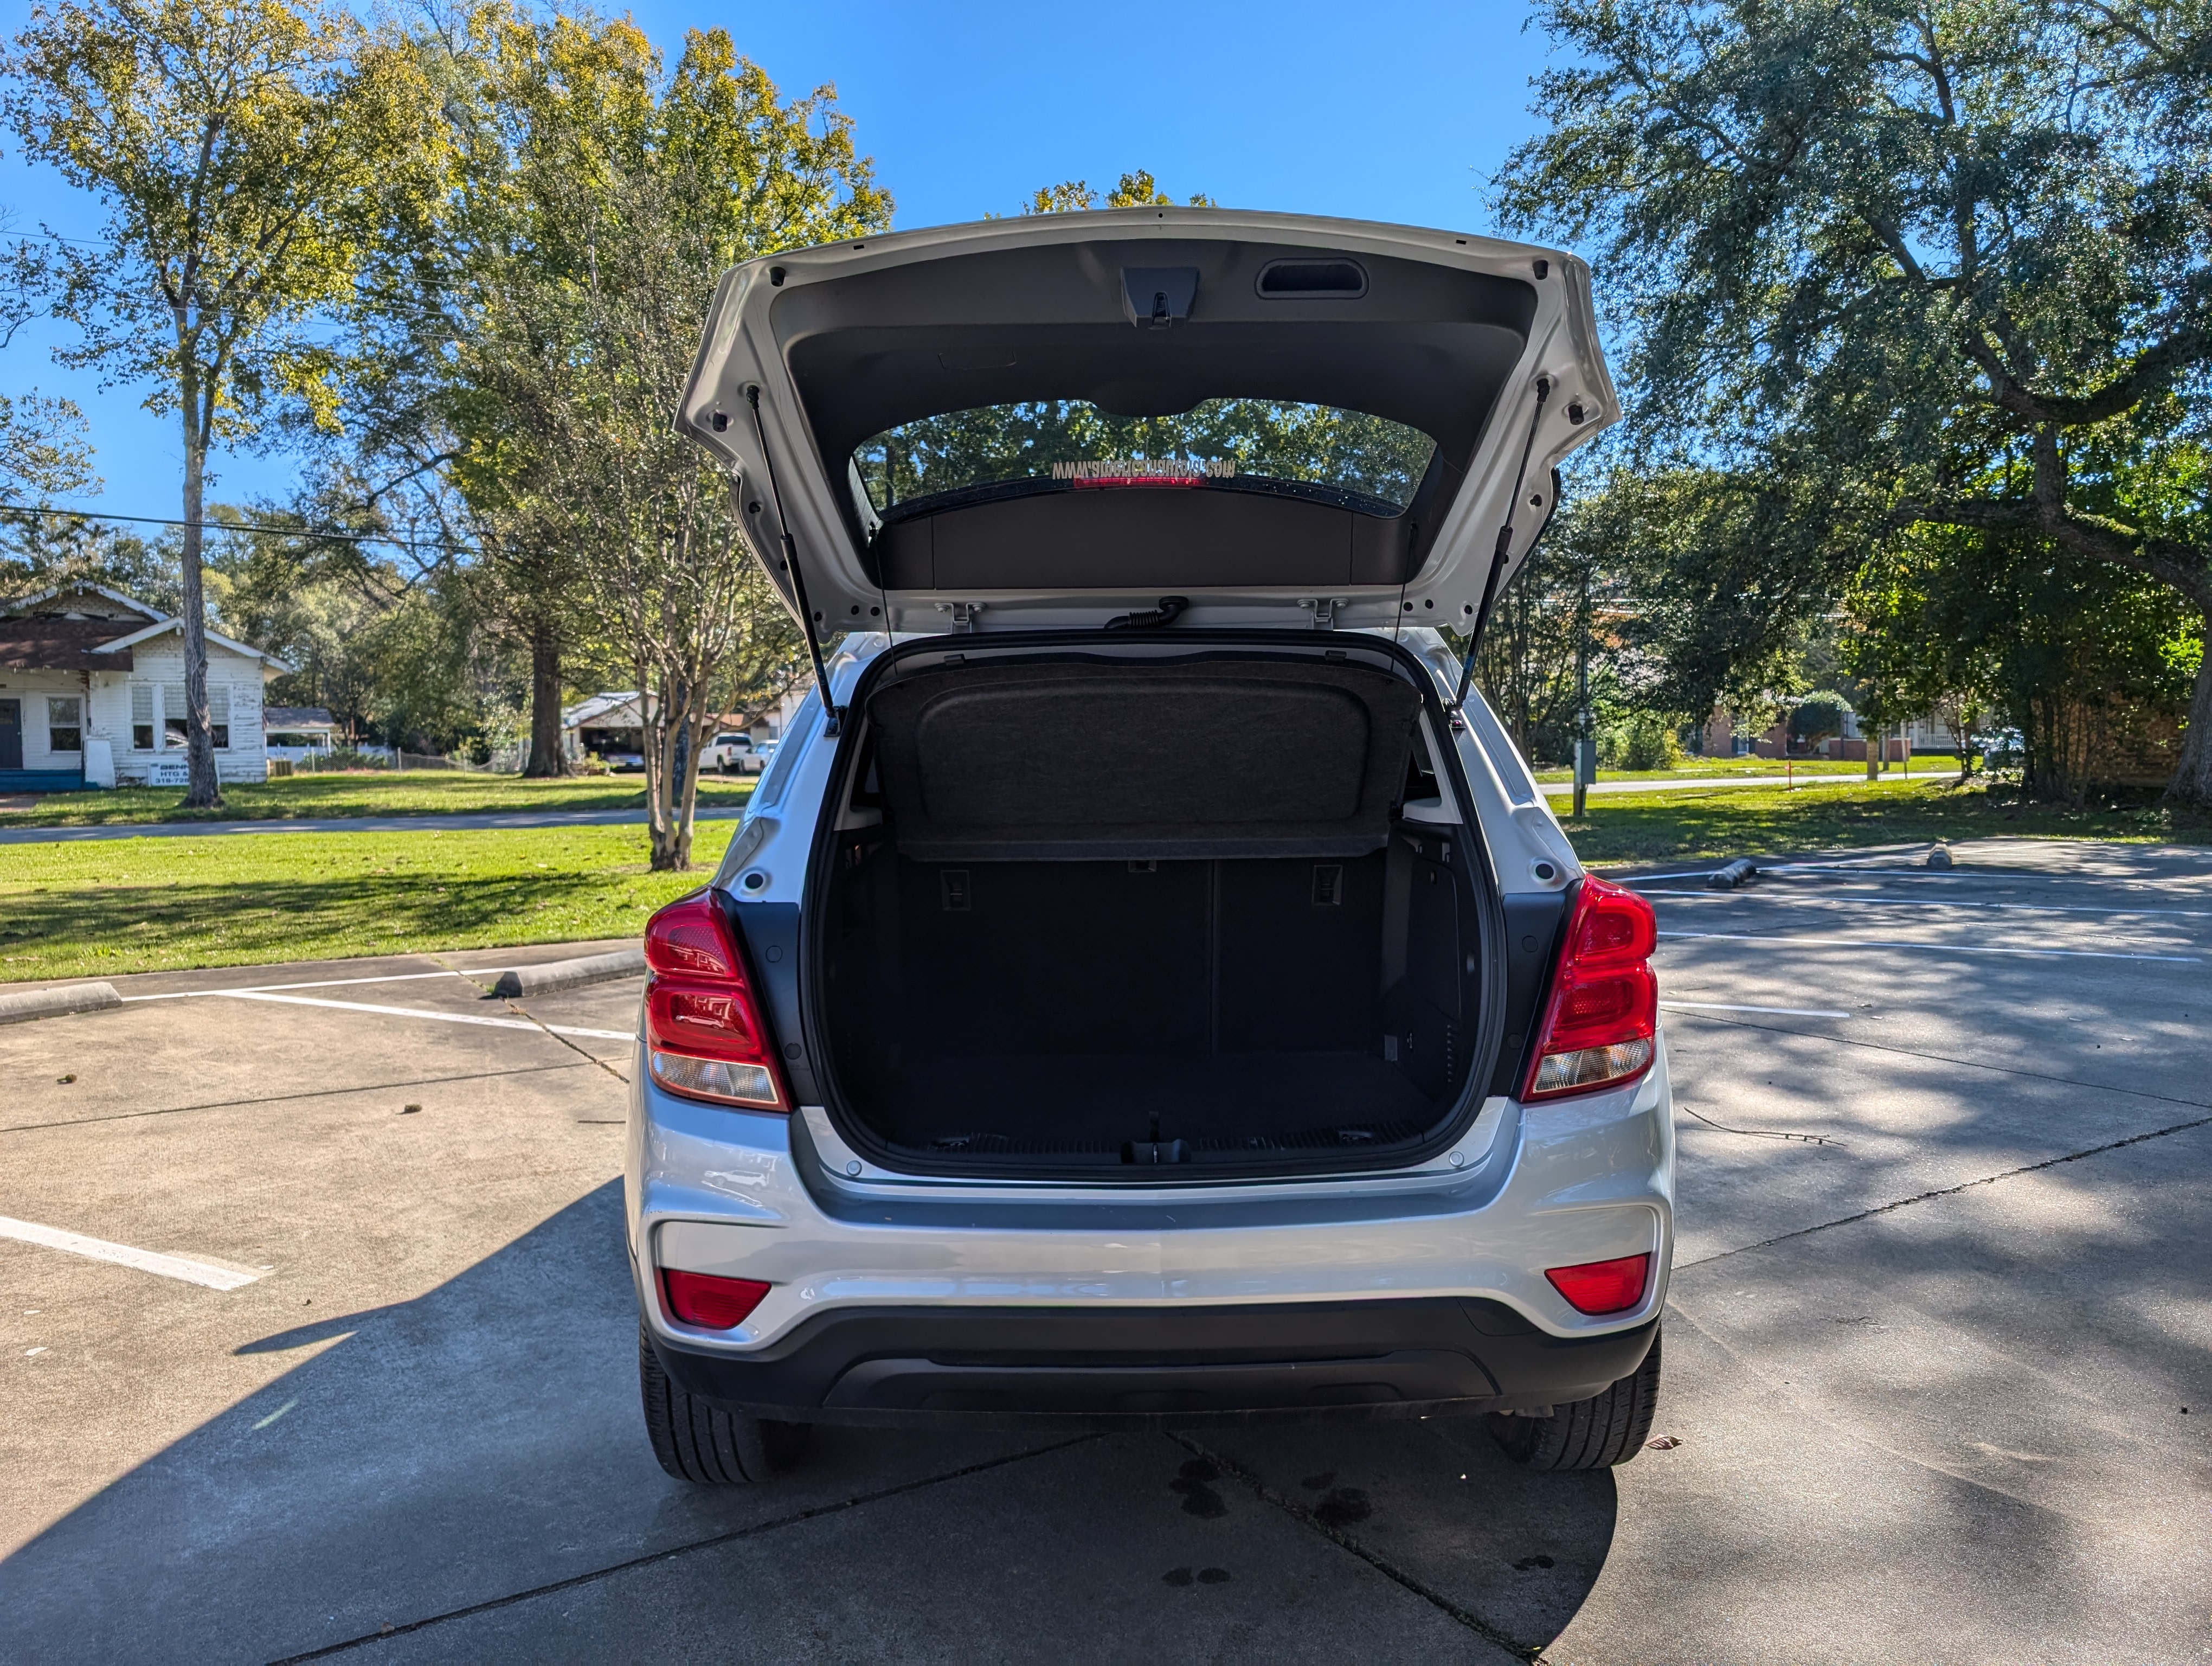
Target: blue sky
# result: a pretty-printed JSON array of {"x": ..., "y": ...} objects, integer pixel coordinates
[{"x": 1390, "y": 110}]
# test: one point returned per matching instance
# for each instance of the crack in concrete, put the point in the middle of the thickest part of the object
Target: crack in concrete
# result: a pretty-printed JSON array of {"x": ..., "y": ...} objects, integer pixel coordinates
[
  {"x": 1490, "y": 1633},
  {"x": 812, "y": 1513},
  {"x": 1952, "y": 1191},
  {"x": 521, "y": 1011},
  {"x": 284, "y": 1098}
]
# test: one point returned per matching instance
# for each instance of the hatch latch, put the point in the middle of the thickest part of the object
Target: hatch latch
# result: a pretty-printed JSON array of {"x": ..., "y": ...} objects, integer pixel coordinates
[
  {"x": 963, "y": 615},
  {"x": 1324, "y": 610}
]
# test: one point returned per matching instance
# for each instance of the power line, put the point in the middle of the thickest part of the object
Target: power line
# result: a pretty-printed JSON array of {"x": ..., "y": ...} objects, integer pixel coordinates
[{"x": 247, "y": 526}]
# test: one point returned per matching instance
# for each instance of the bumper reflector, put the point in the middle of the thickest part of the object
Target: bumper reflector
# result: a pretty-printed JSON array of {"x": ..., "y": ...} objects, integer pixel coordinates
[
  {"x": 1603, "y": 1286},
  {"x": 709, "y": 1301}
]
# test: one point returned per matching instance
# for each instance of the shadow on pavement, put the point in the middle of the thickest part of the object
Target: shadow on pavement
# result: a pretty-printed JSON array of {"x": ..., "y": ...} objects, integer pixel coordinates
[{"x": 484, "y": 1440}]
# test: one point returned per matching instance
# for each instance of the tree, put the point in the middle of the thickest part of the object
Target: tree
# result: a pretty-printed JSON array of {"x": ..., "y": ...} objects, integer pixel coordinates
[
  {"x": 1926, "y": 265},
  {"x": 44, "y": 454},
  {"x": 1137, "y": 188},
  {"x": 2089, "y": 661},
  {"x": 44, "y": 450},
  {"x": 249, "y": 153},
  {"x": 603, "y": 198}
]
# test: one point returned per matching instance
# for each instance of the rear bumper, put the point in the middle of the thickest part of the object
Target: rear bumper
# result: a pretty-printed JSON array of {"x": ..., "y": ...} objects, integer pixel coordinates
[{"x": 1143, "y": 1365}]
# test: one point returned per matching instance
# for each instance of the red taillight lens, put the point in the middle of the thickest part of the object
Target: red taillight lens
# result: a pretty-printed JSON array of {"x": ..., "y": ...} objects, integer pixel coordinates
[
  {"x": 710, "y": 1302},
  {"x": 703, "y": 1036},
  {"x": 1598, "y": 1030},
  {"x": 1603, "y": 1286}
]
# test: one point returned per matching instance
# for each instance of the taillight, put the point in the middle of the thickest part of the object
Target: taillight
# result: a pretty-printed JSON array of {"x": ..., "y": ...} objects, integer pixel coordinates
[
  {"x": 703, "y": 1036},
  {"x": 1600, "y": 1286},
  {"x": 708, "y": 1300},
  {"x": 1598, "y": 1030}
]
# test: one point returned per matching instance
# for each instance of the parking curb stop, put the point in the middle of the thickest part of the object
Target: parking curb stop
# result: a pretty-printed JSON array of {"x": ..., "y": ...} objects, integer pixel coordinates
[
  {"x": 570, "y": 974},
  {"x": 56, "y": 1003}
]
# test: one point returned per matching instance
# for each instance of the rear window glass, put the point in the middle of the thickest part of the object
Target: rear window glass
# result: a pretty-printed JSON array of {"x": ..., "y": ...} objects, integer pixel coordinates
[{"x": 1366, "y": 462}]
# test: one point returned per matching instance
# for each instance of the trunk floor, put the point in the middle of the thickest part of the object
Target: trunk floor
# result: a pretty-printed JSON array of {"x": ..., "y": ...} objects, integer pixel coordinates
[{"x": 1060, "y": 1103}]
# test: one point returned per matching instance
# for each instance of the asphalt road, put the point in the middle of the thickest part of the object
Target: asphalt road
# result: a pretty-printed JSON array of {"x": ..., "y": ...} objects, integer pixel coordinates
[{"x": 1942, "y": 1290}]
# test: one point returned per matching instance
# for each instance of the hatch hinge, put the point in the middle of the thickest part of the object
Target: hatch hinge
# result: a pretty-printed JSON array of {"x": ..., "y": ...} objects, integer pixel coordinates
[
  {"x": 1324, "y": 610},
  {"x": 964, "y": 614}
]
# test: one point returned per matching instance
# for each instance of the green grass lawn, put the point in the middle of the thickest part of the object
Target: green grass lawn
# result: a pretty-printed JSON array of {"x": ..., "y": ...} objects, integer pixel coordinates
[
  {"x": 390, "y": 792},
  {"x": 1710, "y": 769},
  {"x": 105, "y": 906},
  {"x": 1757, "y": 821}
]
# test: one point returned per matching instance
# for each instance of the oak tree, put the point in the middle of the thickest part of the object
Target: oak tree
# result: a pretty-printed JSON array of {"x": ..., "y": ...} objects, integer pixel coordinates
[{"x": 249, "y": 153}]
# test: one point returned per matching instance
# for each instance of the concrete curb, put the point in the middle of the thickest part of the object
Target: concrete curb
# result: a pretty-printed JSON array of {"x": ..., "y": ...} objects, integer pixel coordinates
[
  {"x": 53, "y": 1003},
  {"x": 566, "y": 974}
]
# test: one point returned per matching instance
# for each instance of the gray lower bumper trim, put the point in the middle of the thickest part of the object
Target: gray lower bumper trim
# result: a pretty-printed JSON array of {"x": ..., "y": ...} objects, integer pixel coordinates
[{"x": 1150, "y": 1366}]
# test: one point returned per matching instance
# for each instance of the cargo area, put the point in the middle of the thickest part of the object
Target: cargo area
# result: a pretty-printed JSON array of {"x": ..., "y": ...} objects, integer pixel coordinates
[{"x": 1128, "y": 913}]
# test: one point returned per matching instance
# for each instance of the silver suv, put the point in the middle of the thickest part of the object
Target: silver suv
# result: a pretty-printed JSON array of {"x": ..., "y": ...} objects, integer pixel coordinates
[{"x": 1147, "y": 985}]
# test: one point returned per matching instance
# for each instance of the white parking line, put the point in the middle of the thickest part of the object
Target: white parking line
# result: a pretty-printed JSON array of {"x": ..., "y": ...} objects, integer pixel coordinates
[
  {"x": 123, "y": 1255},
  {"x": 421, "y": 1012},
  {"x": 1937, "y": 948},
  {"x": 1785, "y": 1012}
]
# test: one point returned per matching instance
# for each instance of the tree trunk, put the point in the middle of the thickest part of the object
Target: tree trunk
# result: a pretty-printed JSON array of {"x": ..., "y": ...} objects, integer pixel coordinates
[
  {"x": 546, "y": 755},
  {"x": 2190, "y": 789},
  {"x": 205, "y": 791},
  {"x": 673, "y": 740}
]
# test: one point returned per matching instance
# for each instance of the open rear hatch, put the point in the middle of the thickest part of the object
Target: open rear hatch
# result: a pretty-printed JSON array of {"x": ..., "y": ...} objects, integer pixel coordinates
[
  {"x": 1058, "y": 420},
  {"x": 1159, "y": 869}
]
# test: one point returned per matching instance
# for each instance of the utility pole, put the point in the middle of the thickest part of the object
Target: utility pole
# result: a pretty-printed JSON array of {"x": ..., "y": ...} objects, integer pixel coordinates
[{"x": 1585, "y": 741}]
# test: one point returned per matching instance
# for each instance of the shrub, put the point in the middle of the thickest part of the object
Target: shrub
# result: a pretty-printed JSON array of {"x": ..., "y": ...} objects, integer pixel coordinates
[
  {"x": 1642, "y": 741},
  {"x": 1818, "y": 715}
]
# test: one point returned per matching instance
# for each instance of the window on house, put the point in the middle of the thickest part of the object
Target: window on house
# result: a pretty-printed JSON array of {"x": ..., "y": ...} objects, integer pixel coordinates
[
  {"x": 219, "y": 718},
  {"x": 172, "y": 713},
  {"x": 142, "y": 717},
  {"x": 64, "y": 724}
]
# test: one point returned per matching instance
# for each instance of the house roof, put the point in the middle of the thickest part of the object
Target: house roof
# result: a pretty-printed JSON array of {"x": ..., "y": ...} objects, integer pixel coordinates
[
  {"x": 598, "y": 706},
  {"x": 162, "y": 627},
  {"x": 296, "y": 717},
  {"x": 45, "y": 642},
  {"x": 24, "y": 604},
  {"x": 48, "y": 641}
]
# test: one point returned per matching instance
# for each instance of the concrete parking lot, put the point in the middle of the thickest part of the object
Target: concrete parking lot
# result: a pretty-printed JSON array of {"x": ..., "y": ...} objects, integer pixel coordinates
[{"x": 1943, "y": 1294}]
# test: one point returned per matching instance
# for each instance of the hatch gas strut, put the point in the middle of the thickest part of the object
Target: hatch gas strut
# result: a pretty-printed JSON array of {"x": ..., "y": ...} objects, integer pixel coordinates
[
  {"x": 1504, "y": 547},
  {"x": 799, "y": 583}
]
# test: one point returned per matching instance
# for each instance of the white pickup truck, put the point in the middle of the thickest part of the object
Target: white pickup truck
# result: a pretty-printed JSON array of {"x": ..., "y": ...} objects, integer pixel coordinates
[{"x": 735, "y": 754}]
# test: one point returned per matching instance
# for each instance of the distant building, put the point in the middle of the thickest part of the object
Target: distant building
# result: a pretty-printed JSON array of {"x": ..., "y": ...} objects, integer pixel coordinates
[
  {"x": 606, "y": 726},
  {"x": 611, "y": 725},
  {"x": 92, "y": 694},
  {"x": 297, "y": 732}
]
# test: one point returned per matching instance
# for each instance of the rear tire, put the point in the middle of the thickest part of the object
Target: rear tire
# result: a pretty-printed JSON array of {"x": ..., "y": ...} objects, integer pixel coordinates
[
  {"x": 1598, "y": 1433},
  {"x": 706, "y": 1444}
]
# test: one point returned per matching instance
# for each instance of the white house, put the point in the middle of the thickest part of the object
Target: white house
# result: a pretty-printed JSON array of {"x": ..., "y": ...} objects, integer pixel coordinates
[{"x": 92, "y": 694}]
